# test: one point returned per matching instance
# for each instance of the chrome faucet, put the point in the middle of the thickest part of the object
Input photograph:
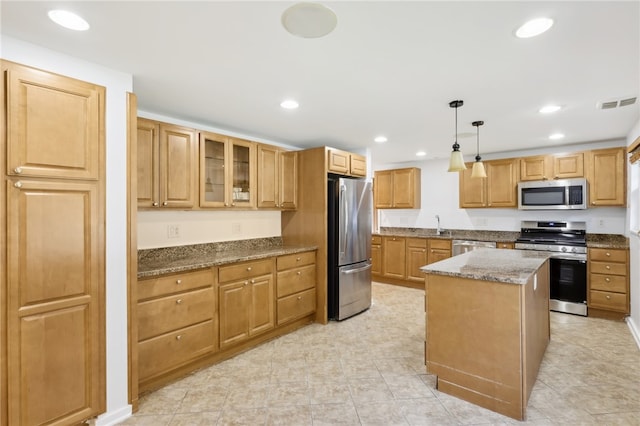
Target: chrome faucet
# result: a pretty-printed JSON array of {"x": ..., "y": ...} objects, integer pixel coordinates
[{"x": 438, "y": 229}]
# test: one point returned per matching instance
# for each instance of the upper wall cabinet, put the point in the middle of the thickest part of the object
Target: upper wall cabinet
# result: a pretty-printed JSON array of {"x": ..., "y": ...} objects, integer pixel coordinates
[
  {"x": 397, "y": 188},
  {"x": 277, "y": 178},
  {"x": 606, "y": 174},
  {"x": 544, "y": 167},
  {"x": 498, "y": 189},
  {"x": 346, "y": 163},
  {"x": 227, "y": 171},
  {"x": 167, "y": 165}
]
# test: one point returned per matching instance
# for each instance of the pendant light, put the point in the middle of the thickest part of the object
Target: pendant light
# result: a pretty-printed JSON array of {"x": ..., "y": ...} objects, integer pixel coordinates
[
  {"x": 456, "y": 162},
  {"x": 478, "y": 168}
]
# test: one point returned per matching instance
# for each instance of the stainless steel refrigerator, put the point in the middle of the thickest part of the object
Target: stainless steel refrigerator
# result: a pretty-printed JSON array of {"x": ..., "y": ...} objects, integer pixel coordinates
[{"x": 349, "y": 246}]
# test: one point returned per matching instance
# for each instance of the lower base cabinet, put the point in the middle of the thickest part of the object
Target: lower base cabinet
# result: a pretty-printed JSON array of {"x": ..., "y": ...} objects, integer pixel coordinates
[
  {"x": 608, "y": 272},
  {"x": 191, "y": 319}
]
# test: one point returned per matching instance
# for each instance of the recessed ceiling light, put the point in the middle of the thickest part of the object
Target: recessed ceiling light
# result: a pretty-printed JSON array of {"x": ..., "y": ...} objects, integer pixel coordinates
[
  {"x": 309, "y": 20},
  {"x": 549, "y": 109},
  {"x": 421, "y": 153},
  {"x": 380, "y": 139},
  {"x": 289, "y": 104},
  {"x": 68, "y": 20},
  {"x": 534, "y": 27},
  {"x": 556, "y": 136}
]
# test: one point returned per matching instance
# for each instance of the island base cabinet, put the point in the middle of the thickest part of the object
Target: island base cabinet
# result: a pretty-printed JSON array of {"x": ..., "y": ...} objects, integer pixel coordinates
[{"x": 485, "y": 340}]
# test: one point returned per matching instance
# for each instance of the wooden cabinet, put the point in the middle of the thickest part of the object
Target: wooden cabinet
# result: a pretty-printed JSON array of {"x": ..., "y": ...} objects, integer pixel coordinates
[
  {"x": 176, "y": 321},
  {"x": 609, "y": 281},
  {"x": 607, "y": 177},
  {"x": 394, "y": 257},
  {"x": 246, "y": 300},
  {"x": 167, "y": 165},
  {"x": 558, "y": 166},
  {"x": 397, "y": 188},
  {"x": 227, "y": 171},
  {"x": 52, "y": 253},
  {"x": 376, "y": 255},
  {"x": 416, "y": 257},
  {"x": 346, "y": 163},
  {"x": 498, "y": 189},
  {"x": 295, "y": 286},
  {"x": 439, "y": 249},
  {"x": 277, "y": 178}
]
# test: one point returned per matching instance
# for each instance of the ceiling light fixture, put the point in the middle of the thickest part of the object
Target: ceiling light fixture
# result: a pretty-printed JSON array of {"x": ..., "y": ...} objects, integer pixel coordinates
[
  {"x": 549, "y": 109},
  {"x": 534, "y": 27},
  {"x": 380, "y": 139},
  {"x": 309, "y": 20},
  {"x": 456, "y": 162},
  {"x": 421, "y": 153},
  {"x": 556, "y": 136},
  {"x": 68, "y": 20},
  {"x": 478, "y": 167},
  {"x": 289, "y": 104}
]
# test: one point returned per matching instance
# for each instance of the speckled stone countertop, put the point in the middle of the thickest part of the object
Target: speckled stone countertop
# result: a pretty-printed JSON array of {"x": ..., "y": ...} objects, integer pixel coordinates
[
  {"x": 500, "y": 265},
  {"x": 160, "y": 261},
  {"x": 593, "y": 240}
]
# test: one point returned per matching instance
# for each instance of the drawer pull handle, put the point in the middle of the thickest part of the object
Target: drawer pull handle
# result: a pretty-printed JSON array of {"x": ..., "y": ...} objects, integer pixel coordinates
[
  {"x": 179, "y": 302},
  {"x": 608, "y": 254},
  {"x": 249, "y": 268},
  {"x": 179, "y": 337},
  {"x": 608, "y": 297},
  {"x": 299, "y": 273},
  {"x": 298, "y": 259},
  {"x": 178, "y": 281},
  {"x": 607, "y": 279},
  {"x": 608, "y": 267}
]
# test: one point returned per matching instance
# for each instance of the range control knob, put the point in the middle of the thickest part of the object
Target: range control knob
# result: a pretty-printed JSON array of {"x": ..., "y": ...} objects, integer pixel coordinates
[{"x": 564, "y": 249}]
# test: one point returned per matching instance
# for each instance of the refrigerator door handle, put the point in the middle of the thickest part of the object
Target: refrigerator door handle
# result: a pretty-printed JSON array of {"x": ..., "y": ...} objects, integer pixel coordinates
[
  {"x": 344, "y": 218},
  {"x": 353, "y": 271}
]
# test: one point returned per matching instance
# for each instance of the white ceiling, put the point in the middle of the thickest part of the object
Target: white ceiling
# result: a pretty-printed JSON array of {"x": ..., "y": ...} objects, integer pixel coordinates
[{"x": 389, "y": 68}]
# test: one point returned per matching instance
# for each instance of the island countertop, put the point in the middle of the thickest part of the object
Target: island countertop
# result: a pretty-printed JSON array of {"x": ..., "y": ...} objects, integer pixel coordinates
[{"x": 505, "y": 266}]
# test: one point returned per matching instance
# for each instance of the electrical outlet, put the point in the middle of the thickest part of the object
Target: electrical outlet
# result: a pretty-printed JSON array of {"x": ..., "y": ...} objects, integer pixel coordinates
[
  {"x": 173, "y": 231},
  {"x": 601, "y": 223}
]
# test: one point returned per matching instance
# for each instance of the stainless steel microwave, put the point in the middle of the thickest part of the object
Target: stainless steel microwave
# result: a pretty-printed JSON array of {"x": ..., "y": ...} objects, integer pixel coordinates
[{"x": 561, "y": 194}]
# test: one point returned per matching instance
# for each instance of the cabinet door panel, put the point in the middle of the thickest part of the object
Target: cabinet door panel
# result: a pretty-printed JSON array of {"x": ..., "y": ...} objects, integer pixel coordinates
[
  {"x": 234, "y": 320},
  {"x": 403, "y": 188},
  {"x": 568, "y": 166},
  {"x": 473, "y": 193},
  {"x": 43, "y": 108},
  {"x": 214, "y": 181},
  {"x": 268, "y": 171},
  {"x": 178, "y": 161},
  {"x": 148, "y": 166},
  {"x": 383, "y": 189},
  {"x": 416, "y": 257},
  {"x": 393, "y": 257},
  {"x": 607, "y": 178},
  {"x": 262, "y": 317},
  {"x": 243, "y": 173},
  {"x": 288, "y": 191},
  {"x": 501, "y": 183}
]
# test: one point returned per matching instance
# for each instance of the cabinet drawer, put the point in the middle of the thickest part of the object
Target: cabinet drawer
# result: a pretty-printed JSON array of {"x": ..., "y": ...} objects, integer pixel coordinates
[
  {"x": 608, "y": 300},
  {"x": 376, "y": 239},
  {"x": 244, "y": 270},
  {"x": 615, "y": 283},
  {"x": 608, "y": 255},
  {"x": 168, "y": 284},
  {"x": 295, "y": 280},
  {"x": 169, "y": 350},
  {"x": 417, "y": 242},
  {"x": 358, "y": 165},
  {"x": 440, "y": 244},
  {"x": 295, "y": 260},
  {"x": 609, "y": 268},
  {"x": 296, "y": 306},
  {"x": 169, "y": 313}
]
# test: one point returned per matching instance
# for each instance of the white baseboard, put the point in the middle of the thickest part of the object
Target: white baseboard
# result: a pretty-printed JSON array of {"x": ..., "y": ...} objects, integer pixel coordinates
[
  {"x": 114, "y": 417},
  {"x": 635, "y": 332}
]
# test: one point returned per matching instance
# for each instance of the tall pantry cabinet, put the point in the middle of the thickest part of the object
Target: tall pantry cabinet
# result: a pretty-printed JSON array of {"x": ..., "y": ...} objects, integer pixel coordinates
[{"x": 52, "y": 204}]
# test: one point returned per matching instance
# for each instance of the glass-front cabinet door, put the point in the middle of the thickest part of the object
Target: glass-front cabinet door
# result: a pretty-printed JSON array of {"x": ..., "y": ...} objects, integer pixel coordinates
[
  {"x": 214, "y": 187},
  {"x": 243, "y": 173}
]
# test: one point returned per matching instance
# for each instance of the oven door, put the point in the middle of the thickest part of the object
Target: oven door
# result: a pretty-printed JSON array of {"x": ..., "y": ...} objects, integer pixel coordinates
[{"x": 568, "y": 284}]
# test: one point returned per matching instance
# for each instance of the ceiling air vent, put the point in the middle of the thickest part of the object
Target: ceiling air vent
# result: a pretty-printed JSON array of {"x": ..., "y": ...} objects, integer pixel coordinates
[{"x": 616, "y": 103}]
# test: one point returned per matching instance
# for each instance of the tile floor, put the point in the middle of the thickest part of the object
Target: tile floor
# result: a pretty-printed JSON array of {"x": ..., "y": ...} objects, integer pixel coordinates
[{"x": 368, "y": 370}]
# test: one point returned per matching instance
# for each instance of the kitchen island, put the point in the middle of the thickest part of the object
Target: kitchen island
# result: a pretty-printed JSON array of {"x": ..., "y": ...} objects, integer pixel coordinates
[{"x": 487, "y": 326}]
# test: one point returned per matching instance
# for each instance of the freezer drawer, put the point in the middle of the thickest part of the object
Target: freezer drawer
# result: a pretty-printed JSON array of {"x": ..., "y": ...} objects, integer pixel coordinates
[{"x": 354, "y": 289}]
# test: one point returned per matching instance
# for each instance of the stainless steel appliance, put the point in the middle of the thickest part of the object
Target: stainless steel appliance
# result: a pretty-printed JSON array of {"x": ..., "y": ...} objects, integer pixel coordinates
[
  {"x": 349, "y": 246},
  {"x": 566, "y": 242},
  {"x": 561, "y": 194},
  {"x": 463, "y": 246}
]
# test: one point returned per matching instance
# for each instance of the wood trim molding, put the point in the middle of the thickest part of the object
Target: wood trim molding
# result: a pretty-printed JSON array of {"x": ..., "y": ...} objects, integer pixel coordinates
[{"x": 634, "y": 150}]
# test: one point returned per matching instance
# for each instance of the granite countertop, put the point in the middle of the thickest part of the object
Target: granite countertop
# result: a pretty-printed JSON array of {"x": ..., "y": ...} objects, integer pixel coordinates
[
  {"x": 500, "y": 265},
  {"x": 593, "y": 240},
  {"x": 161, "y": 261}
]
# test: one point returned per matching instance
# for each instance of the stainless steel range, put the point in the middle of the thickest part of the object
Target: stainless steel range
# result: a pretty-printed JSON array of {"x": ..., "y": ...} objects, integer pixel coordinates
[{"x": 566, "y": 242}]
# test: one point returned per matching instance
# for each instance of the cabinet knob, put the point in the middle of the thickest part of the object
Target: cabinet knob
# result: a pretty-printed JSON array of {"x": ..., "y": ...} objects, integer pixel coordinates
[
  {"x": 154, "y": 204},
  {"x": 299, "y": 297},
  {"x": 298, "y": 259},
  {"x": 608, "y": 297},
  {"x": 18, "y": 184},
  {"x": 226, "y": 204},
  {"x": 178, "y": 281},
  {"x": 608, "y": 254},
  {"x": 593, "y": 203},
  {"x": 246, "y": 282},
  {"x": 253, "y": 281},
  {"x": 179, "y": 337},
  {"x": 17, "y": 170},
  {"x": 424, "y": 251},
  {"x": 299, "y": 273},
  {"x": 608, "y": 267},
  {"x": 607, "y": 279},
  {"x": 179, "y": 302},
  {"x": 249, "y": 268},
  {"x": 233, "y": 204},
  {"x": 165, "y": 203}
]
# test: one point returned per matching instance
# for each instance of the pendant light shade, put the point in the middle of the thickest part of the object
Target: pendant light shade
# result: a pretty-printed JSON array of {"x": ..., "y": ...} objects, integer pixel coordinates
[
  {"x": 478, "y": 167},
  {"x": 456, "y": 162}
]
